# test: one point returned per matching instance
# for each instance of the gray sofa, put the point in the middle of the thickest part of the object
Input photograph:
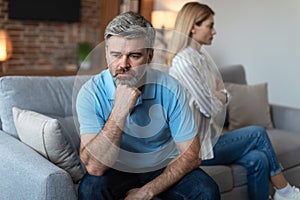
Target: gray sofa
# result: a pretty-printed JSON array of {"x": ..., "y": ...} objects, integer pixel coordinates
[
  {"x": 285, "y": 138},
  {"x": 26, "y": 174}
]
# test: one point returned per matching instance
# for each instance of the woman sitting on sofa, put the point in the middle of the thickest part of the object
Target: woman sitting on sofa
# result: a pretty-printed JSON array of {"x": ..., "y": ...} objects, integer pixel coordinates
[{"x": 249, "y": 146}]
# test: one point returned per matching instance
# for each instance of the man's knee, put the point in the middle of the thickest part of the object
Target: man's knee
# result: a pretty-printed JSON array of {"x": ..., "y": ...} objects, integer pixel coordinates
[
  {"x": 212, "y": 191},
  {"x": 205, "y": 187},
  {"x": 93, "y": 187}
]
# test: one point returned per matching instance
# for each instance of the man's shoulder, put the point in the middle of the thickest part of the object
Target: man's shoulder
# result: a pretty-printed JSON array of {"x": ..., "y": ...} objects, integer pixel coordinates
[
  {"x": 98, "y": 83},
  {"x": 182, "y": 59},
  {"x": 97, "y": 78},
  {"x": 159, "y": 77},
  {"x": 165, "y": 82}
]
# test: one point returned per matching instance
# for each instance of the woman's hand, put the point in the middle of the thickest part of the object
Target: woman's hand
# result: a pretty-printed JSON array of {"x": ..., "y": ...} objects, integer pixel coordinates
[
  {"x": 221, "y": 96},
  {"x": 217, "y": 93},
  {"x": 219, "y": 84}
]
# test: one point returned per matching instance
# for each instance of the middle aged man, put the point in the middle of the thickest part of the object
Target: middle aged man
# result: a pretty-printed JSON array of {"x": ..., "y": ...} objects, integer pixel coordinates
[{"x": 138, "y": 136}]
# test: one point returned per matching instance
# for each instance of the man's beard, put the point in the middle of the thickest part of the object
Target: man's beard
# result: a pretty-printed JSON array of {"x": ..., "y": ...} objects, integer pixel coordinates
[
  {"x": 133, "y": 80},
  {"x": 130, "y": 82}
]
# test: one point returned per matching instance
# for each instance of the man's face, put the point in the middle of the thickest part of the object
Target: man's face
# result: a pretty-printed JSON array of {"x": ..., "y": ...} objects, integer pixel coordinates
[{"x": 127, "y": 59}]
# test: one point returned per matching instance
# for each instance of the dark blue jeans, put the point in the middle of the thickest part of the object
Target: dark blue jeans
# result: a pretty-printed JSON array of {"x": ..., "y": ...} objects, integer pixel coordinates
[
  {"x": 114, "y": 184},
  {"x": 251, "y": 148}
]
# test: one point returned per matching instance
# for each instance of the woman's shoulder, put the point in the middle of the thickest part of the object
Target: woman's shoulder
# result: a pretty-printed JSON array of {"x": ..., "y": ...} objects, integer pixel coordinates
[
  {"x": 186, "y": 54},
  {"x": 183, "y": 58}
]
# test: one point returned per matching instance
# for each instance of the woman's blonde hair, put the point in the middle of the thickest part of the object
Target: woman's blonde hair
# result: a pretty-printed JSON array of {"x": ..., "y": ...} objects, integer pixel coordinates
[{"x": 191, "y": 13}]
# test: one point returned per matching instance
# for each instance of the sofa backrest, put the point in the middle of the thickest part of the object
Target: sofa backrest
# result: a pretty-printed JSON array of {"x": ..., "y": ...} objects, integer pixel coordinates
[
  {"x": 233, "y": 74},
  {"x": 51, "y": 96}
]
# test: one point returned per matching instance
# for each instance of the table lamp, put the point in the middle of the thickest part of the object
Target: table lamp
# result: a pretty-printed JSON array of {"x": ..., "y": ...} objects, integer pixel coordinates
[{"x": 5, "y": 48}]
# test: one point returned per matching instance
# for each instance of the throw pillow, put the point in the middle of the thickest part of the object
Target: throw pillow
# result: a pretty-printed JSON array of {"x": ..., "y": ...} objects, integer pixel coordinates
[
  {"x": 248, "y": 106},
  {"x": 45, "y": 135}
]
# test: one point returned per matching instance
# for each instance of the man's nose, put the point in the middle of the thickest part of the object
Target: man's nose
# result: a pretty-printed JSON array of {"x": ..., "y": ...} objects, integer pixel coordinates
[{"x": 124, "y": 61}]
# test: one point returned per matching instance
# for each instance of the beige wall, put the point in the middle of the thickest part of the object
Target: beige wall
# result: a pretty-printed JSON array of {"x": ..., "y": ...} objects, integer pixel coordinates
[{"x": 264, "y": 36}]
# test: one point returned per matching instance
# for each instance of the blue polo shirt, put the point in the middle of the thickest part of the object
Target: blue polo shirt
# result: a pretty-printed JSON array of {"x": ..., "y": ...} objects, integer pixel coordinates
[{"x": 160, "y": 118}]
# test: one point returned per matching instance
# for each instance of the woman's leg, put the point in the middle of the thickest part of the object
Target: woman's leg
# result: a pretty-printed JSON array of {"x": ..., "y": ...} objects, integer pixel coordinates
[
  {"x": 257, "y": 166},
  {"x": 279, "y": 181},
  {"x": 234, "y": 146}
]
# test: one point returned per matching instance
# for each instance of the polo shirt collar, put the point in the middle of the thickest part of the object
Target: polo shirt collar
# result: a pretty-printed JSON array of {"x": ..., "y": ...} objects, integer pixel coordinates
[{"x": 148, "y": 91}]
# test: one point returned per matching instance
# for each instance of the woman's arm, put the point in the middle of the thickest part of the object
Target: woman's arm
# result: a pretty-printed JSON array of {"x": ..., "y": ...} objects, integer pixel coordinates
[
  {"x": 191, "y": 79},
  {"x": 192, "y": 73}
]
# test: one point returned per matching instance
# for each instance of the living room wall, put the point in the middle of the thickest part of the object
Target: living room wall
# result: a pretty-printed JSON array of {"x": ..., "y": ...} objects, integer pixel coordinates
[
  {"x": 44, "y": 44},
  {"x": 264, "y": 36}
]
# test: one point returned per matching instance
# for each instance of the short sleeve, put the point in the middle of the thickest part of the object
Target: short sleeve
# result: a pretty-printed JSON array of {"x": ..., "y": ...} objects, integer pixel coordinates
[{"x": 90, "y": 121}]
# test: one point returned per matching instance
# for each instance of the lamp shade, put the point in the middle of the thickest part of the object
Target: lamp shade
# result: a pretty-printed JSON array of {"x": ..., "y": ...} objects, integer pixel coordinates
[
  {"x": 163, "y": 19},
  {"x": 5, "y": 46}
]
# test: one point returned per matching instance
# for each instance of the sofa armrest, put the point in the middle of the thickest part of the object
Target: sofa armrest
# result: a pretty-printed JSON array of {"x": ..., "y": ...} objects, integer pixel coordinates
[
  {"x": 25, "y": 174},
  {"x": 286, "y": 118}
]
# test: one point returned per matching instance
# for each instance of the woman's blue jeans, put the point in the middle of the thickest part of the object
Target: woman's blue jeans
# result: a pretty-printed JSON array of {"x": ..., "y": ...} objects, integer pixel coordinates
[
  {"x": 114, "y": 184},
  {"x": 251, "y": 148}
]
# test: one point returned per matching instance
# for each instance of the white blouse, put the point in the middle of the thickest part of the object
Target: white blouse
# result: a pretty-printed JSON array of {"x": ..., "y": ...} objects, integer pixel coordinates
[{"x": 196, "y": 71}]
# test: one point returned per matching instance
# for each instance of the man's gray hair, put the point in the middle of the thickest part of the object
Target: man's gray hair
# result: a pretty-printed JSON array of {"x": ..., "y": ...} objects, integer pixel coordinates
[{"x": 131, "y": 25}]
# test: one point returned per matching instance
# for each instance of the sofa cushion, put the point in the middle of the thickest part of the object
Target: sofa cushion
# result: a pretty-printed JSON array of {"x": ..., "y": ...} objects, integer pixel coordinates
[
  {"x": 48, "y": 136},
  {"x": 72, "y": 133},
  {"x": 222, "y": 175},
  {"x": 248, "y": 106},
  {"x": 239, "y": 174},
  {"x": 287, "y": 147}
]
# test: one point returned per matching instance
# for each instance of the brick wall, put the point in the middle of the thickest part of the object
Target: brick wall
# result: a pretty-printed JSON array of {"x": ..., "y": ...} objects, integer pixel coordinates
[{"x": 38, "y": 44}]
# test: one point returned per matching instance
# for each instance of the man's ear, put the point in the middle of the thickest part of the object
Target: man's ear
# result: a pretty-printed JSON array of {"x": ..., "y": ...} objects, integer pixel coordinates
[
  {"x": 106, "y": 53},
  {"x": 106, "y": 49},
  {"x": 150, "y": 55}
]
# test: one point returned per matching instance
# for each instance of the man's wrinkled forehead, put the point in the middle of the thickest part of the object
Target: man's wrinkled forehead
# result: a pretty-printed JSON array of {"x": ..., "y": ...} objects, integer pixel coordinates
[{"x": 122, "y": 44}]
